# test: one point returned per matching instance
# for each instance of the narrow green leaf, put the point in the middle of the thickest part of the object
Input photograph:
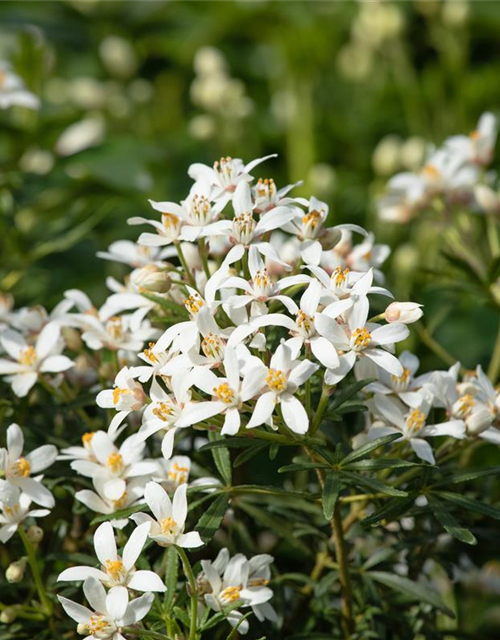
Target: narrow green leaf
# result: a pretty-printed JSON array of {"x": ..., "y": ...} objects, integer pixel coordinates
[
  {"x": 341, "y": 398},
  {"x": 372, "y": 484},
  {"x": 331, "y": 492},
  {"x": 228, "y": 443},
  {"x": 468, "y": 476},
  {"x": 366, "y": 449},
  {"x": 123, "y": 514},
  {"x": 380, "y": 463},
  {"x": 169, "y": 305},
  {"x": 211, "y": 519},
  {"x": 448, "y": 522},
  {"x": 171, "y": 574},
  {"x": 244, "y": 456},
  {"x": 221, "y": 457},
  {"x": 471, "y": 505},
  {"x": 303, "y": 466},
  {"x": 414, "y": 590},
  {"x": 392, "y": 510}
]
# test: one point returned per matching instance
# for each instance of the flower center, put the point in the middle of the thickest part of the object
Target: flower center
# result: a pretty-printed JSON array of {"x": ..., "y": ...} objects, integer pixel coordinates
[
  {"x": 360, "y": 339},
  {"x": 87, "y": 439},
  {"x": 415, "y": 421},
  {"x": 21, "y": 468},
  {"x": 311, "y": 223},
  {"x": 276, "y": 380},
  {"x": 118, "y": 393},
  {"x": 226, "y": 171},
  {"x": 163, "y": 411},
  {"x": 168, "y": 526},
  {"x": 178, "y": 474},
  {"x": 225, "y": 393},
  {"x": 401, "y": 382},
  {"x": 339, "y": 277},
  {"x": 305, "y": 322},
  {"x": 115, "y": 462},
  {"x": 194, "y": 303},
  {"x": 431, "y": 172},
  {"x": 231, "y": 594},
  {"x": 114, "y": 327},
  {"x": 244, "y": 227},
  {"x": 97, "y": 624},
  {"x": 170, "y": 221},
  {"x": 149, "y": 353},
  {"x": 262, "y": 284},
  {"x": 464, "y": 405},
  {"x": 265, "y": 190},
  {"x": 213, "y": 347},
  {"x": 120, "y": 503},
  {"x": 114, "y": 569},
  {"x": 28, "y": 357}
]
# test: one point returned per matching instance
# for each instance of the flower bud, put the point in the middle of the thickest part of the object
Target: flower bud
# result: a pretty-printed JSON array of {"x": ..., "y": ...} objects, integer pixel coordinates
[
  {"x": 83, "y": 629},
  {"x": 15, "y": 571},
  {"x": 71, "y": 338},
  {"x": 9, "y": 614},
  {"x": 406, "y": 312},
  {"x": 478, "y": 421},
  {"x": 487, "y": 199},
  {"x": 330, "y": 238},
  {"x": 152, "y": 278},
  {"x": 34, "y": 534}
]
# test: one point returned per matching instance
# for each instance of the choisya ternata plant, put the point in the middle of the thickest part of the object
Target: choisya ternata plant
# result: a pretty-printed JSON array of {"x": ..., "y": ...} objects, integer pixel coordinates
[{"x": 248, "y": 330}]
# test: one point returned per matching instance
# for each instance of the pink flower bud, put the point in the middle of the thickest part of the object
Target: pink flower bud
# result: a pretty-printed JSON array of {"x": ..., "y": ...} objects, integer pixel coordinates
[{"x": 406, "y": 312}]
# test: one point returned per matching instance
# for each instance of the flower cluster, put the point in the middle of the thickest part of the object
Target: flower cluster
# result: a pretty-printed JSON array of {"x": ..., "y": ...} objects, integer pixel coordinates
[{"x": 452, "y": 176}]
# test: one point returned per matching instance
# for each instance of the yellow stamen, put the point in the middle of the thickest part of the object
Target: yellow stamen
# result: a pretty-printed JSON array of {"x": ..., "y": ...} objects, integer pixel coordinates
[
  {"x": 97, "y": 624},
  {"x": 312, "y": 219},
  {"x": 115, "y": 462},
  {"x": 415, "y": 421},
  {"x": 466, "y": 404},
  {"x": 276, "y": 380},
  {"x": 114, "y": 327},
  {"x": 114, "y": 568},
  {"x": 28, "y": 357},
  {"x": 305, "y": 321},
  {"x": 163, "y": 411},
  {"x": 149, "y": 353},
  {"x": 21, "y": 468},
  {"x": 178, "y": 474},
  {"x": 167, "y": 526},
  {"x": 361, "y": 337},
  {"x": 224, "y": 393},
  {"x": 87, "y": 439},
  {"x": 121, "y": 502},
  {"x": 231, "y": 594},
  {"x": 118, "y": 393},
  {"x": 194, "y": 303},
  {"x": 339, "y": 276}
]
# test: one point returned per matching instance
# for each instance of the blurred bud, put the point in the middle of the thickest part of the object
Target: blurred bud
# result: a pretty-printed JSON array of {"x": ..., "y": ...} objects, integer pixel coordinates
[
  {"x": 406, "y": 312},
  {"x": 487, "y": 199},
  {"x": 81, "y": 135},
  {"x": 209, "y": 61},
  {"x": 15, "y": 571},
  {"x": 9, "y": 614},
  {"x": 427, "y": 7},
  {"x": 386, "y": 157},
  {"x": 37, "y": 161},
  {"x": 151, "y": 278},
  {"x": 87, "y": 93},
  {"x": 413, "y": 153},
  {"x": 406, "y": 259},
  {"x": 71, "y": 338},
  {"x": 322, "y": 179},
  {"x": 140, "y": 90},
  {"x": 355, "y": 62},
  {"x": 118, "y": 56},
  {"x": 478, "y": 421},
  {"x": 202, "y": 127},
  {"x": 330, "y": 238},
  {"x": 34, "y": 534},
  {"x": 455, "y": 13},
  {"x": 6, "y": 303},
  {"x": 107, "y": 371}
]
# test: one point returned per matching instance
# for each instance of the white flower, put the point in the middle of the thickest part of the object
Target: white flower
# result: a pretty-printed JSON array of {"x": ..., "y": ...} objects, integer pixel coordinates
[
  {"x": 126, "y": 396},
  {"x": 110, "y": 612},
  {"x": 238, "y": 581},
  {"x": 173, "y": 472},
  {"x": 406, "y": 312},
  {"x": 168, "y": 528},
  {"x": 479, "y": 145},
  {"x": 343, "y": 283},
  {"x": 412, "y": 424},
  {"x": 86, "y": 451},
  {"x": 267, "y": 197},
  {"x": 133, "y": 254},
  {"x": 15, "y": 508},
  {"x": 356, "y": 339},
  {"x": 225, "y": 175},
  {"x": 115, "y": 465},
  {"x": 281, "y": 380},
  {"x": 98, "y": 502},
  {"x": 29, "y": 361},
  {"x": 13, "y": 91},
  {"x": 117, "y": 570},
  {"x": 229, "y": 393},
  {"x": 169, "y": 412},
  {"x": 18, "y": 469}
]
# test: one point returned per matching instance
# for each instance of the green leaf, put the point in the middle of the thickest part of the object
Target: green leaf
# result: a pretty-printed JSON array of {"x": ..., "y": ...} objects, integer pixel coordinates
[
  {"x": 380, "y": 463},
  {"x": 366, "y": 449},
  {"x": 171, "y": 574},
  {"x": 391, "y": 510},
  {"x": 169, "y": 305},
  {"x": 123, "y": 514},
  {"x": 303, "y": 466},
  {"x": 372, "y": 484},
  {"x": 448, "y": 522},
  {"x": 467, "y": 476},
  {"x": 221, "y": 457},
  {"x": 228, "y": 443},
  {"x": 211, "y": 519},
  {"x": 471, "y": 505},
  {"x": 331, "y": 492},
  {"x": 244, "y": 456},
  {"x": 341, "y": 398},
  {"x": 411, "y": 589}
]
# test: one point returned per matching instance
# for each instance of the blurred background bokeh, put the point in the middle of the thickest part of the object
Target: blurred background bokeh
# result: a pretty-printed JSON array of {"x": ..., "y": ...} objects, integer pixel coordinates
[{"x": 131, "y": 93}]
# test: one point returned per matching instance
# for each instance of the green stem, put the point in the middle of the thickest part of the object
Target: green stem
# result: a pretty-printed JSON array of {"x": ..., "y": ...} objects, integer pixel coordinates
[
  {"x": 184, "y": 264},
  {"x": 323, "y": 402},
  {"x": 146, "y": 633},
  {"x": 491, "y": 229},
  {"x": 188, "y": 571},
  {"x": 438, "y": 349},
  {"x": 494, "y": 368},
  {"x": 37, "y": 578},
  {"x": 202, "y": 248}
]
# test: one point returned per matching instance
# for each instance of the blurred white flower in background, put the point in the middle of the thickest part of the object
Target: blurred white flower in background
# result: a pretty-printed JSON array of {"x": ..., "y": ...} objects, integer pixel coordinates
[{"x": 13, "y": 91}]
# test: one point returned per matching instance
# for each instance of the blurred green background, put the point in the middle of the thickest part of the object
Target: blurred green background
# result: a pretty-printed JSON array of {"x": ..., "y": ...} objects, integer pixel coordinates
[{"x": 132, "y": 92}]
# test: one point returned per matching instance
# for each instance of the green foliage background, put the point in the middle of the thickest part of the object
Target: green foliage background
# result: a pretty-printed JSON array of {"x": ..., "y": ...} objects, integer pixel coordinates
[{"x": 320, "y": 105}]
